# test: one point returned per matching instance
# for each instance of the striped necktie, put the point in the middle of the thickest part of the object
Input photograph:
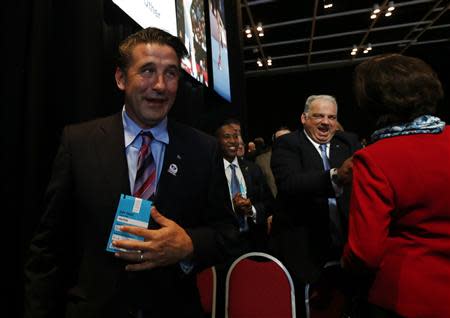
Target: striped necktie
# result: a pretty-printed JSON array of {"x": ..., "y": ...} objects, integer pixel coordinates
[{"x": 145, "y": 182}]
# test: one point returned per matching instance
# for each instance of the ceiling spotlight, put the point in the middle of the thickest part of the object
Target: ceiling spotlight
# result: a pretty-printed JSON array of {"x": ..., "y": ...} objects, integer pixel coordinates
[
  {"x": 388, "y": 14},
  {"x": 376, "y": 9},
  {"x": 269, "y": 61},
  {"x": 353, "y": 53},
  {"x": 366, "y": 51},
  {"x": 373, "y": 16},
  {"x": 259, "y": 27},
  {"x": 327, "y": 4},
  {"x": 259, "y": 62},
  {"x": 354, "y": 50},
  {"x": 369, "y": 47},
  {"x": 248, "y": 32},
  {"x": 391, "y": 6}
]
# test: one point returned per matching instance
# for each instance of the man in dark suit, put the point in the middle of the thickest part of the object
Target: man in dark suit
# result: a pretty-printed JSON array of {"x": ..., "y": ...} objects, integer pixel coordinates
[
  {"x": 252, "y": 201},
  {"x": 312, "y": 169},
  {"x": 69, "y": 273}
]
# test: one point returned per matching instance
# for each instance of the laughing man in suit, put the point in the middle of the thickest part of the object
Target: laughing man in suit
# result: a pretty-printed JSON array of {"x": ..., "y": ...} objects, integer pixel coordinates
[
  {"x": 69, "y": 273},
  {"x": 310, "y": 225}
]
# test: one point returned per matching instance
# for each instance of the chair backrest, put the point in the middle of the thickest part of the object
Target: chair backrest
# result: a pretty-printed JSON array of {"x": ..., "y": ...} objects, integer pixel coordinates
[
  {"x": 259, "y": 285},
  {"x": 206, "y": 284}
]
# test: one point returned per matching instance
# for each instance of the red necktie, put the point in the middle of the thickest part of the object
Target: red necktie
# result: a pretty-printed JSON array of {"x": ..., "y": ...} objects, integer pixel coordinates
[{"x": 145, "y": 182}]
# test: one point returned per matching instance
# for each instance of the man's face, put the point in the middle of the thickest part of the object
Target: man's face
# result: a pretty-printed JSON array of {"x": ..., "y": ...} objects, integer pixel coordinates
[
  {"x": 229, "y": 142},
  {"x": 320, "y": 121},
  {"x": 150, "y": 83}
]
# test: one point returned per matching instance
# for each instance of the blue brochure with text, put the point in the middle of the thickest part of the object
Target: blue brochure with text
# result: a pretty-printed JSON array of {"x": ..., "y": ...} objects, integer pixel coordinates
[{"x": 131, "y": 211}]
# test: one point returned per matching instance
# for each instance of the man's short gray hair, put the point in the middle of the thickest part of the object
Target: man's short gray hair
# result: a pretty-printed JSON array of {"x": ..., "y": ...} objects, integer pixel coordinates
[{"x": 312, "y": 98}]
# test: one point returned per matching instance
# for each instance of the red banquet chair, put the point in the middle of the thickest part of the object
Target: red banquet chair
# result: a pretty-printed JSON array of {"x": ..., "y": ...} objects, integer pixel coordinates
[
  {"x": 259, "y": 285},
  {"x": 206, "y": 284}
]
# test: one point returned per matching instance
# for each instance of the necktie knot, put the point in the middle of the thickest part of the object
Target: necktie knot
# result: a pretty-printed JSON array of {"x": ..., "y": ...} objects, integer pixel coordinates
[
  {"x": 147, "y": 137},
  {"x": 145, "y": 182},
  {"x": 323, "y": 152},
  {"x": 235, "y": 186},
  {"x": 323, "y": 148}
]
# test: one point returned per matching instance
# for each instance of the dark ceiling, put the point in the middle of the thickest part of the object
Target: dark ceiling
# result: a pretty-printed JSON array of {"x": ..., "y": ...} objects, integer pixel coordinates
[{"x": 300, "y": 35}]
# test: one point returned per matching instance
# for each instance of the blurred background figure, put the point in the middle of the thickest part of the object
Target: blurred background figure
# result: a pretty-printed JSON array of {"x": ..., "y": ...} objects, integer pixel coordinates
[
  {"x": 263, "y": 160},
  {"x": 241, "y": 148},
  {"x": 400, "y": 208}
]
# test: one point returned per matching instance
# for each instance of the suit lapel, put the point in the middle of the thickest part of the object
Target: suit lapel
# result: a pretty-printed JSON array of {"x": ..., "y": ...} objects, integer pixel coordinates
[
  {"x": 338, "y": 153},
  {"x": 110, "y": 151},
  {"x": 311, "y": 156},
  {"x": 172, "y": 171}
]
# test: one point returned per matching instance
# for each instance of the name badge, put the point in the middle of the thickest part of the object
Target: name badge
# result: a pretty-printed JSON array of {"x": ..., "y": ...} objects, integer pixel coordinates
[{"x": 131, "y": 211}]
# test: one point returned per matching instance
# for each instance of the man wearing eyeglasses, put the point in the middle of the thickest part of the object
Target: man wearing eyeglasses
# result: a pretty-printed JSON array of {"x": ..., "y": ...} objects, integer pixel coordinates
[{"x": 313, "y": 170}]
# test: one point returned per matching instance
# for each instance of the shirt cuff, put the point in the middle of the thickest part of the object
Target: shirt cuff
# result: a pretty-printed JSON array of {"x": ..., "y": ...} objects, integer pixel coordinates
[
  {"x": 338, "y": 190},
  {"x": 253, "y": 216}
]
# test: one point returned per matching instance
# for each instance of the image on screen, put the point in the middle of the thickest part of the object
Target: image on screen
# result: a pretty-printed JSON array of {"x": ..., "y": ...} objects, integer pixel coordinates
[
  {"x": 191, "y": 30},
  {"x": 151, "y": 13},
  {"x": 219, "y": 48}
]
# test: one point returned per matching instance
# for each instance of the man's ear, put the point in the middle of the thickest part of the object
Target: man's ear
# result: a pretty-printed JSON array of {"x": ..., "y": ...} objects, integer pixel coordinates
[
  {"x": 303, "y": 118},
  {"x": 120, "y": 78}
]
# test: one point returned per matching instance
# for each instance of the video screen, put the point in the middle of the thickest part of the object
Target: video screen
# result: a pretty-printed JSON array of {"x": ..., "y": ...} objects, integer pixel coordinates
[
  {"x": 191, "y": 30},
  {"x": 151, "y": 13},
  {"x": 219, "y": 48}
]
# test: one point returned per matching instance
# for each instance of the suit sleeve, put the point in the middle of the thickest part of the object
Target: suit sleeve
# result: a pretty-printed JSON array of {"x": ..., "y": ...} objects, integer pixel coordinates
[
  {"x": 370, "y": 214},
  {"x": 45, "y": 269},
  {"x": 290, "y": 174}
]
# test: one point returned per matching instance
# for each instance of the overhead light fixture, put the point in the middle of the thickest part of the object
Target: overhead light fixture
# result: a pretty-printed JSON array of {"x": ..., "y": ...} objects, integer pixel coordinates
[
  {"x": 248, "y": 31},
  {"x": 259, "y": 28},
  {"x": 259, "y": 62},
  {"x": 388, "y": 14},
  {"x": 369, "y": 47},
  {"x": 391, "y": 6},
  {"x": 354, "y": 50},
  {"x": 376, "y": 8},
  {"x": 327, "y": 4},
  {"x": 366, "y": 51},
  {"x": 269, "y": 61}
]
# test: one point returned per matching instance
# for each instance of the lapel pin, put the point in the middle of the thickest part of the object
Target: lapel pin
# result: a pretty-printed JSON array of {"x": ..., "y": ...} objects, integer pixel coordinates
[{"x": 173, "y": 169}]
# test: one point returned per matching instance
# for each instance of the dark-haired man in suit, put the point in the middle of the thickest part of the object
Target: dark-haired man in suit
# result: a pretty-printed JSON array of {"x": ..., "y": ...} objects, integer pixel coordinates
[
  {"x": 312, "y": 168},
  {"x": 250, "y": 195},
  {"x": 69, "y": 272}
]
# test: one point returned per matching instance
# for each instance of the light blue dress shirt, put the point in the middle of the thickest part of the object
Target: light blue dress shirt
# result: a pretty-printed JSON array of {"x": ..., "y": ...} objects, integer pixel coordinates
[{"x": 133, "y": 143}]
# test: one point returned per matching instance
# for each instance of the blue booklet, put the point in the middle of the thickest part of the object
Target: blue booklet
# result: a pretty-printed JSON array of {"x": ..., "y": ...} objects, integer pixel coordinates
[{"x": 131, "y": 211}]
